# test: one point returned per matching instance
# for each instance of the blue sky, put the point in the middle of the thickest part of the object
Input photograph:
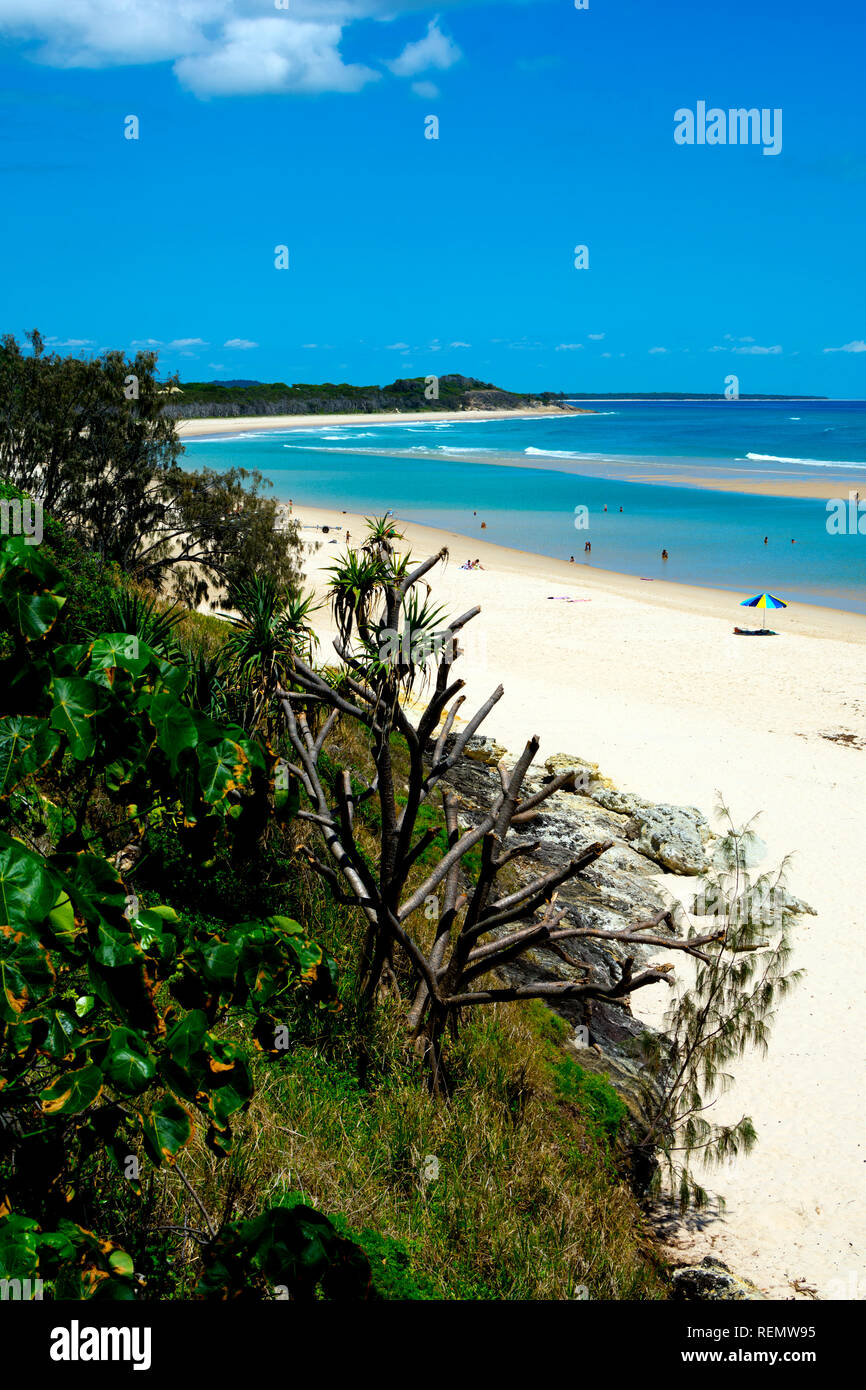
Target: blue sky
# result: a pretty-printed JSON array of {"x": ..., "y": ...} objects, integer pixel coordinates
[{"x": 262, "y": 126}]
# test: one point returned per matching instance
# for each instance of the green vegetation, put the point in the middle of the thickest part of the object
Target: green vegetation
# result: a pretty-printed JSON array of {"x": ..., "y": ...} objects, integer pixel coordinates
[
  {"x": 407, "y": 394},
  {"x": 90, "y": 437},
  {"x": 157, "y": 1138}
]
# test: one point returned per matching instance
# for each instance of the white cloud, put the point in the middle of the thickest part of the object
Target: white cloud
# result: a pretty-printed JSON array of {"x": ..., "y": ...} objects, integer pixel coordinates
[
  {"x": 428, "y": 90},
  {"x": 219, "y": 47},
  {"x": 309, "y": 346},
  {"x": 397, "y": 347},
  {"x": 857, "y": 346},
  {"x": 177, "y": 344},
  {"x": 217, "y": 366},
  {"x": 242, "y": 343},
  {"x": 460, "y": 345},
  {"x": 69, "y": 342},
  {"x": 569, "y": 347},
  {"x": 607, "y": 354},
  {"x": 596, "y": 337},
  {"x": 755, "y": 351},
  {"x": 659, "y": 349},
  {"x": 272, "y": 55},
  {"x": 435, "y": 50}
]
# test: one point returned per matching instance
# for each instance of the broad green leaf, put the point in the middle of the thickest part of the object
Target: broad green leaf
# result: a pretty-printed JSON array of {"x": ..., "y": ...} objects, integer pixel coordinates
[
  {"x": 26, "y": 744},
  {"x": 185, "y": 1039},
  {"x": 128, "y": 1063},
  {"x": 224, "y": 768},
  {"x": 220, "y": 961},
  {"x": 175, "y": 724},
  {"x": 26, "y": 976},
  {"x": 32, "y": 607},
  {"x": 28, "y": 890},
  {"x": 167, "y": 1131},
  {"x": 114, "y": 947},
  {"x": 120, "y": 649},
  {"x": 76, "y": 701},
  {"x": 73, "y": 1092},
  {"x": 61, "y": 1034},
  {"x": 62, "y": 918}
]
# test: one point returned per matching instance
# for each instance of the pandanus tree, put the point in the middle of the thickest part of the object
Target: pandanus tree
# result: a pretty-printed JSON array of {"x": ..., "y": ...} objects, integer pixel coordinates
[
  {"x": 272, "y": 624},
  {"x": 454, "y": 934}
]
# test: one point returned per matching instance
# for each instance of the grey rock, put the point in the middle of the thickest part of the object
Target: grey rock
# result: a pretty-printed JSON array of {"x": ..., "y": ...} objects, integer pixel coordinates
[
  {"x": 673, "y": 836},
  {"x": 712, "y": 1281},
  {"x": 485, "y": 750}
]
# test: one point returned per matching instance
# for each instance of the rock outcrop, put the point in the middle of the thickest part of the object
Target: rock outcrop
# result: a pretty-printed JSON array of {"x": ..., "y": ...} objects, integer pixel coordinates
[{"x": 712, "y": 1281}]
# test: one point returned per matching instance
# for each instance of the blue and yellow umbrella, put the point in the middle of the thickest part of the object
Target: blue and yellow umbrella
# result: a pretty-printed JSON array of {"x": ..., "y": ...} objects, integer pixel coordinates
[{"x": 763, "y": 601}]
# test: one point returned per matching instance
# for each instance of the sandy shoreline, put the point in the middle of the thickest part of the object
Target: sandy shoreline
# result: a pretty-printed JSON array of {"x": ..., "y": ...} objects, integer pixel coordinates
[
  {"x": 240, "y": 424},
  {"x": 647, "y": 679}
]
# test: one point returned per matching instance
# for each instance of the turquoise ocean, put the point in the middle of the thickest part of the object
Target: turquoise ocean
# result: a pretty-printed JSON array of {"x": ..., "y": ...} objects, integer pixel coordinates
[{"x": 527, "y": 477}]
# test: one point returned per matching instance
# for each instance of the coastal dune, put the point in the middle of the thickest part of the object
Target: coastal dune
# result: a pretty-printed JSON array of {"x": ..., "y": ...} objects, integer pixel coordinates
[{"x": 647, "y": 679}]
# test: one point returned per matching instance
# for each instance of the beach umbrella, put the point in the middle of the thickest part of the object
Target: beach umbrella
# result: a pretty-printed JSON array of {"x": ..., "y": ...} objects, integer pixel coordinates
[{"x": 763, "y": 601}]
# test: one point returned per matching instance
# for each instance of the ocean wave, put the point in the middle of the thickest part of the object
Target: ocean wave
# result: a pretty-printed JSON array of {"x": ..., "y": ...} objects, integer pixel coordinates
[
  {"x": 559, "y": 453},
  {"x": 463, "y": 449},
  {"x": 807, "y": 463}
]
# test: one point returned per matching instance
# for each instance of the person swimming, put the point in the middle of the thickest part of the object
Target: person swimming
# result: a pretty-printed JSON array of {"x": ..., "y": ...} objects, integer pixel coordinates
[{"x": 664, "y": 554}]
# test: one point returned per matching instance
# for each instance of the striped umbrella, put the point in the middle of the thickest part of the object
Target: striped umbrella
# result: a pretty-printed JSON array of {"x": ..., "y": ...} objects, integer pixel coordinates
[{"x": 763, "y": 601}]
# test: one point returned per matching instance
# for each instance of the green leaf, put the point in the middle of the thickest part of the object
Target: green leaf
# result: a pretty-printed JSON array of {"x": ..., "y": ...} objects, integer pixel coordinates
[
  {"x": 28, "y": 890},
  {"x": 76, "y": 701},
  {"x": 73, "y": 1092},
  {"x": 62, "y": 919},
  {"x": 220, "y": 961},
  {"x": 128, "y": 1062},
  {"x": 32, "y": 609},
  {"x": 114, "y": 947},
  {"x": 185, "y": 1039},
  {"x": 224, "y": 768},
  {"x": 120, "y": 649},
  {"x": 175, "y": 724},
  {"x": 26, "y": 744},
  {"x": 167, "y": 1131},
  {"x": 61, "y": 1035}
]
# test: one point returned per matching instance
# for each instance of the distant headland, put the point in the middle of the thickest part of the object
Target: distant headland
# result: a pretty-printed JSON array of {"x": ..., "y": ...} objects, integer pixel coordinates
[{"x": 231, "y": 399}]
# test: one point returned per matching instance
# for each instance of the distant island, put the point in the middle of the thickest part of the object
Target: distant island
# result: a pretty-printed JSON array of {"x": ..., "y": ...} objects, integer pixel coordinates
[{"x": 221, "y": 399}]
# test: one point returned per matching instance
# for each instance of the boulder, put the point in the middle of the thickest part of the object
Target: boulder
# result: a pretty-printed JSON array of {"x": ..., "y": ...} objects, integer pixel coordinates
[
  {"x": 673, "y": 836},
  {"x": 586, "y": 774},
  {"x": 712, "y": 1281},
  {"x": 485, "y": 750}
]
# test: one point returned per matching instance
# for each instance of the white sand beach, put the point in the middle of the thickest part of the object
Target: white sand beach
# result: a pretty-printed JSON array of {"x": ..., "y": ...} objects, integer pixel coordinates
[
  {"x": 240, "y": 424},
  {"x": 647, "y": 679}
]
